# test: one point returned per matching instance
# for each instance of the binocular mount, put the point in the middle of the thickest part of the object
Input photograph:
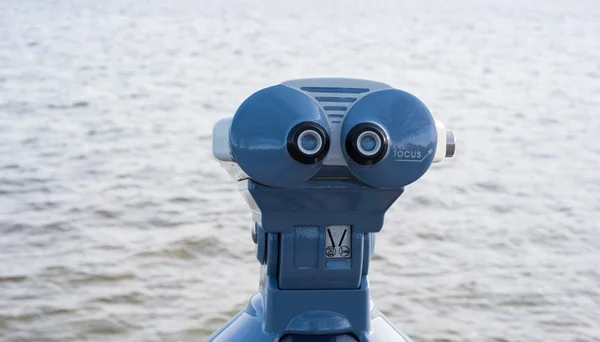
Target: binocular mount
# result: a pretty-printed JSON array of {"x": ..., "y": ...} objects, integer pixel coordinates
[{"x": 319, "y": 162}]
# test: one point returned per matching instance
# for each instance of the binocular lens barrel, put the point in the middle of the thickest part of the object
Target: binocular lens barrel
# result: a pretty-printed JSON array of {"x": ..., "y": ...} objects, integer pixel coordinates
[
  {"x": 366, "y": 143},
  {"x": 308, "y": 142}
]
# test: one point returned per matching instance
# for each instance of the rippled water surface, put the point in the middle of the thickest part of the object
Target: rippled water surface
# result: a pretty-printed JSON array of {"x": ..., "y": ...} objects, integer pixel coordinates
[{"x": 116, "y": 224}]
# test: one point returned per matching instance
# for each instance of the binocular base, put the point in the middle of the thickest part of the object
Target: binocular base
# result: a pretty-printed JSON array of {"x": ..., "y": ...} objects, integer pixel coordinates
[{"x": 248, "y": 326}]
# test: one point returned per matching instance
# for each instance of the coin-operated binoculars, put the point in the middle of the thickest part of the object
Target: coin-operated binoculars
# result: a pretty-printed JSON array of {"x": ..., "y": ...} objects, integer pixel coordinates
[{"x": 319, "y": 161}]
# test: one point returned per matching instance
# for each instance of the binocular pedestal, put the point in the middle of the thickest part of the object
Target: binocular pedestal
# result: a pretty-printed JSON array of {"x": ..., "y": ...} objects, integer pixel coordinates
[{"x": 314, "y": 243}]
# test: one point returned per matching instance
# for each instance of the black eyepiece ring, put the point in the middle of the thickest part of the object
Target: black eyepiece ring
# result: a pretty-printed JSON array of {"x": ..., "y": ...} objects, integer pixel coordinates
[
  {"x": 308, "y": 142},
  {"x": 366, "y": 143}
]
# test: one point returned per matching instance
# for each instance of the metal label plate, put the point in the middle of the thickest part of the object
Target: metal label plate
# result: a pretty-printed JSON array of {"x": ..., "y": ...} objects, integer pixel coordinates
[{"x": 338, "y": 244}]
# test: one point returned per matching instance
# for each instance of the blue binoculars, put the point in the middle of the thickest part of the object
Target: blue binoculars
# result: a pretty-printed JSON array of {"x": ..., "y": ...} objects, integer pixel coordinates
[{"x": 319, "y": 161}]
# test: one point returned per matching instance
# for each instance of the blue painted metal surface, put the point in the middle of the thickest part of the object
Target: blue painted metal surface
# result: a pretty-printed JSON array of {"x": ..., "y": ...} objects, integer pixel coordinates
[
  {"x": 259, "y": 134},
  {"x": 411, "y": 134},
  {"x": 313, "y": 288}
]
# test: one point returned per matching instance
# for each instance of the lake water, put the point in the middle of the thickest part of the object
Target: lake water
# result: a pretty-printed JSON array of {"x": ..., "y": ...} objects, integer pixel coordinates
[{"x": 116, "y": 224}]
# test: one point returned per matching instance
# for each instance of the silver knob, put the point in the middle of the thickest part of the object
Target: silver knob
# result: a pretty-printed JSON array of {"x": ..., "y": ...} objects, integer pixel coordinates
[{"x": 450, "y": 144}]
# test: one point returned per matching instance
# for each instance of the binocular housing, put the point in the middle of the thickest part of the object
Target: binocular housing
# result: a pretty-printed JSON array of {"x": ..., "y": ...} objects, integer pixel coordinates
[
  {"x": 284, "y": 135},
  {"x": 319, "y": 162}
]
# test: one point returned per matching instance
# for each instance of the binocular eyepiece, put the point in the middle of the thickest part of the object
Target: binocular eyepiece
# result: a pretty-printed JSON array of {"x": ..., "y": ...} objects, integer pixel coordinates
[
  {"x": 366, "y": 143},
  {"x": 283, "y": 135},
  {"x": 308, "y": 142}
]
